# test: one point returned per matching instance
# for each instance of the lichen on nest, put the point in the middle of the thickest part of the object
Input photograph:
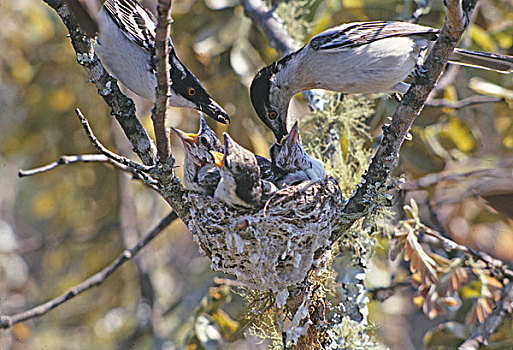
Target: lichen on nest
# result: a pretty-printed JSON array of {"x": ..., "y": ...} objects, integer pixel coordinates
[{"x": 269, "y": 248}]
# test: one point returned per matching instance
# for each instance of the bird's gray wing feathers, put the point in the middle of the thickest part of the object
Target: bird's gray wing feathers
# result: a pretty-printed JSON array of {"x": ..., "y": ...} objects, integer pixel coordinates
[
  {"x": 490, "y": 61},
  {"x": 137, "y": 23},
  {"x": 361, "y": 33}
]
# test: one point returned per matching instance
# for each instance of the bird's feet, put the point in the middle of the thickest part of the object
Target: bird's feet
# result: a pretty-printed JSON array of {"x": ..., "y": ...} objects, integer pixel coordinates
[{"x": 420, "y": 72}]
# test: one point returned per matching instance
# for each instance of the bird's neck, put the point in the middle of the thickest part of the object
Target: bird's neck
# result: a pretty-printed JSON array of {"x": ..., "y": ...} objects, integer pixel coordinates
[{"x": 289, "y": 78}]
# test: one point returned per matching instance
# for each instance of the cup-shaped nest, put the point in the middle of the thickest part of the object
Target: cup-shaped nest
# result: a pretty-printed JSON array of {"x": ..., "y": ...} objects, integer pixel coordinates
[{"x": 273, "y": 247}]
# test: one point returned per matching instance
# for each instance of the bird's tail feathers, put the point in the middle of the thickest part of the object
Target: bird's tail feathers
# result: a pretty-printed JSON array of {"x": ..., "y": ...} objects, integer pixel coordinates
[{"x": 490, "y": 61}]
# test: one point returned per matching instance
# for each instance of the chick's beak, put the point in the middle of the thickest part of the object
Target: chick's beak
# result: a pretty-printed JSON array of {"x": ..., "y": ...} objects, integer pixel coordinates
[
  {"x": 218, "y": 158},
  {"x": 187, "y": 139},
  {"x": 293, "y": 135},
  {"x": 215, "y": 111}
]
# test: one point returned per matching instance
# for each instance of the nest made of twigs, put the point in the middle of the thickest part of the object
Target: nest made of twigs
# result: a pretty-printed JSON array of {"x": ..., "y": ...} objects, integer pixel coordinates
[{"x": 273, "y": 247}]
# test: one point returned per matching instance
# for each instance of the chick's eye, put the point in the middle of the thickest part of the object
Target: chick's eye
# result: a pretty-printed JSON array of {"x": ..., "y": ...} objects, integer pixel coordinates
[
  {"x": 191, "y": 91},
  {"x": 273, "y": 114},
  {"x": 203, "y": 140}
]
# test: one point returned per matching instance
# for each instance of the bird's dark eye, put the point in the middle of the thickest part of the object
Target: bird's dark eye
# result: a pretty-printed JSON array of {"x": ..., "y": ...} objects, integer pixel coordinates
[
  {"x": 203, "y": 140},
  {"x": 191, "y": 91},
  {"x": 273, "y": 114}
]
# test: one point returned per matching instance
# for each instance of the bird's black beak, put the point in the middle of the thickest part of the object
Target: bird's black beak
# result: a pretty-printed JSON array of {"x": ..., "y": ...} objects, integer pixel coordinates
[
  {"x": 215, "y": 111},
  {"x": 280, "y": 133}
]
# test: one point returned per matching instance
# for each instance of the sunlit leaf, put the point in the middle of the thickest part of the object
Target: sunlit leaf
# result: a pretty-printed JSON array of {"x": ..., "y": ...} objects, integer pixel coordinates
[{"x": 482, "y": 38}]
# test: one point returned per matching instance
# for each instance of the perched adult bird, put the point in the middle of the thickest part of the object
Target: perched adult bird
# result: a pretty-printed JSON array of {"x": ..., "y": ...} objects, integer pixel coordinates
[
  {"x": 126, "y": 46},
  {"x": 292, "y": 162},
  {"x": 240, "y": 185},
  {"x": 361, "y": 57},
  {"x": 200, "y": 173}
]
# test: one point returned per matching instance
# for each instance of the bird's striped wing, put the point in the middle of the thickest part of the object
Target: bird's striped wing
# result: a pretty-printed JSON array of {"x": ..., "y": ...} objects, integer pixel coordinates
[
  {"x": 137, "y": 23},
  {"x": 361, "y": 33}
]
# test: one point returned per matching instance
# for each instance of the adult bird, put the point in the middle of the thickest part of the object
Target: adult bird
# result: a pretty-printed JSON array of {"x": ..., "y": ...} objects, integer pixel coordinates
[
  {"x": 126, "y": 46},
  {"x": 361, "y": 57},
  {"x": 292, "y": 162},
  {"x": 240, "y": 185},
  {"x": 200, "y": 173}
]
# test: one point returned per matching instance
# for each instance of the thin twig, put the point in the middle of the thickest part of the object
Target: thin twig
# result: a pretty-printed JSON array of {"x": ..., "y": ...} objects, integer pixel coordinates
[
  {"x": 88, "y": 158},
  {"x": 437, "y": 178},
  {"x": 423, "y": 8},
  {"x": 163, "y": 91},
  {"x": 383, "y": 293},
  {"x": 102, "y": 149},
  {"x": 122, "y": 108},
  {"x": 450, "y": 246},
  {"x": 94, "y": 280},
  {"x": 484, "y": 330},
  {"x": 466, "y": 102}
]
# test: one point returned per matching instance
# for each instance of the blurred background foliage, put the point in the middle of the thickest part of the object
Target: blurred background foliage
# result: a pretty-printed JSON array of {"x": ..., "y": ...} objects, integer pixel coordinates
[{"x": 58, "y": 228}]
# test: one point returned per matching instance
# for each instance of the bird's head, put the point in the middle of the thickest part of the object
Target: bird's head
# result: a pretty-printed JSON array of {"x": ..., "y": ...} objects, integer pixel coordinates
[
  {"x": 239, "y": 169},
  {"x": 271, "y": 106},
  {"x": 238, "y": 160},
  {"x": 198, "y": 145},
  {"x": 190, "y": 93},
  {"x": 285, "y": 153}
]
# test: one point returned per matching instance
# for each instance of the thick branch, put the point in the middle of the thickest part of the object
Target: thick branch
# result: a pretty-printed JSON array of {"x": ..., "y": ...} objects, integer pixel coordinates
[
  {"x": 405, "y": 114},
  {"x": 122, "y": 108},
  {"x": 162, "y": 91},
  {"x": 94, "y": 280}
]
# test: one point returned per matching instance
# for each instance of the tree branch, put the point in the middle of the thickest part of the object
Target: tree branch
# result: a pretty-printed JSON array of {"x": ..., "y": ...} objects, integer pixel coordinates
[
  {"x": 410, "y": 107},
  {"x": 450, "y": 247},
  {"x": 122, "y": 108},
  {"x": 484, "y": 330},
  {"x": 94, "y": 280},
  {"x": 163, "y": 91},
  {"x": 436, "y": 178},
  {"x": 466, "y": 102},
  {"x": 275, "y": 32},
  {"x": 102, "y": 149},
  {"x": 89, "y": 158}
]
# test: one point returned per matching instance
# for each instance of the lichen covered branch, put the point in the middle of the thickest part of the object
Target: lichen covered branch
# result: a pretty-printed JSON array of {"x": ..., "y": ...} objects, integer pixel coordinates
[{"x": 410, "y": 107}]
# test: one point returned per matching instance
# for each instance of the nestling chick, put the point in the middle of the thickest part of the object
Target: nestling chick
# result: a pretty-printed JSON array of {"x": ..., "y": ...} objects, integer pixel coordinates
[
  {"x": 240, "y": 184},
  {"x": 200, "y": 174},
  {"x": 291, "y": 160}
]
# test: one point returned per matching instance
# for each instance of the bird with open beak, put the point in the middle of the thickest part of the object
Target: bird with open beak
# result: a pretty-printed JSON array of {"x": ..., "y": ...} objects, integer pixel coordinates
[
  {"x": 240, "y": 185},
  {"x": 200, "y": 174},
  {"x": 292, "y": 162}
]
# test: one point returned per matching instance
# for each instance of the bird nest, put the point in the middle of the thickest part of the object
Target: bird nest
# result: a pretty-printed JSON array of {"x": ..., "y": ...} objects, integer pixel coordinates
[{"x": 273, "y": 247}]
